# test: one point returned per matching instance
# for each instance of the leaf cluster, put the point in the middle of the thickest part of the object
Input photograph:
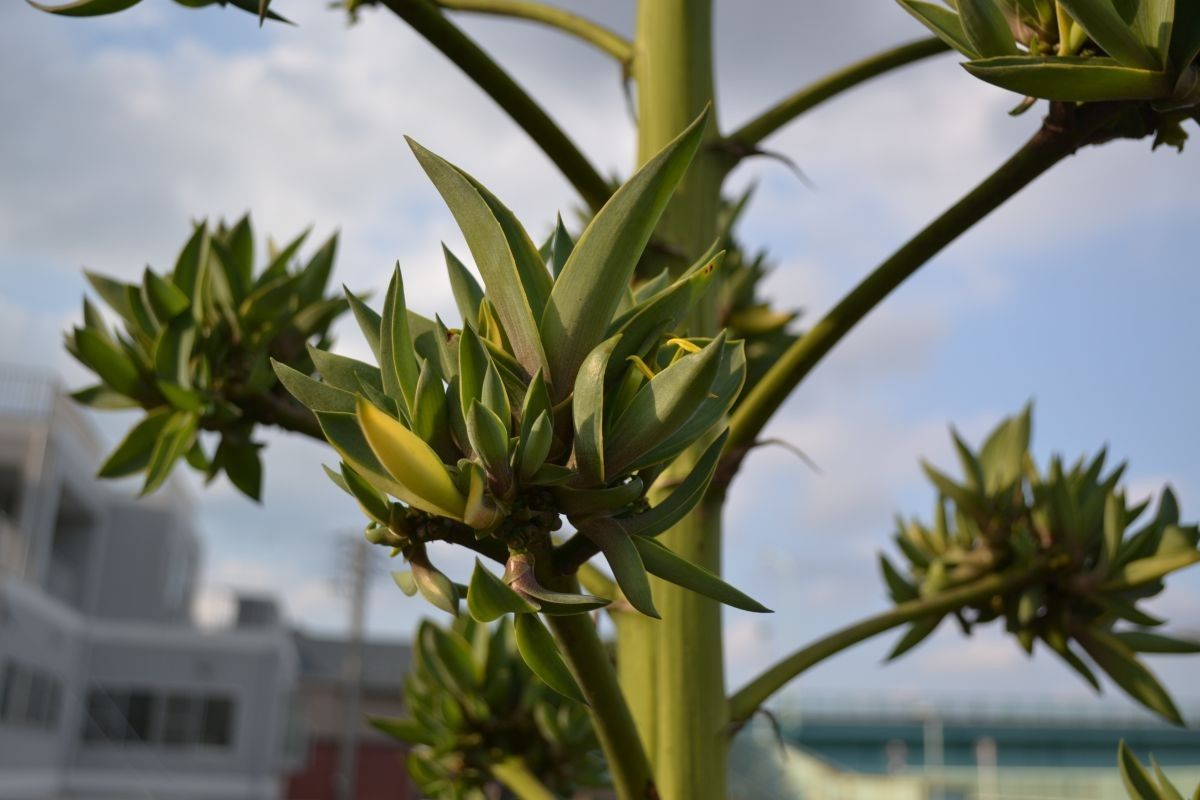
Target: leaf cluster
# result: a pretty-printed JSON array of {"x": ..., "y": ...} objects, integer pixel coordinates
[
  {"x": 472, "y": 703},
  {"x": 1080, "y": 50},
  {"x": 1071, "y": 535},
  {"x": 193, "y": 349}
]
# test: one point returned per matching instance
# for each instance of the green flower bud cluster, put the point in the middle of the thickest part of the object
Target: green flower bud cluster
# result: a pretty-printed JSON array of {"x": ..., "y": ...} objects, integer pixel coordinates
[
  {"x": 1068, "y": 539},
  {"x": 1079, "y": 50},
  {"x": 565, "y": 396},
  {"x": 194, "y": 351},
  {"x": 474, "y": 710}
]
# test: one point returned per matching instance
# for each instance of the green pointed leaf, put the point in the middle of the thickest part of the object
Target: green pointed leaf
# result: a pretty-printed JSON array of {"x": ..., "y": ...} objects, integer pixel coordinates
[
  {"x": 1153, "y": 26},
  {"x": 916, "y": 633},
  {"x": 587, "y": 292},
  {"x": 173, "y": 352},
  {"x": 102, "y": 397},
  {"x": 162, "y": 297},
  {"x": 683, "y": 499},
  {"x": 312, "y": 394},
  {"x": 580, "y": 503},
  {"x": 242, "y": 464},
  {"x": 281, "y": 260},
  {"x": 662, "y": 405},
  {"x": 986, "y": 27},
  {"x": 494, "y": 396},
  {"x": 489, "y": 439},
  {"x": 468, "y": 294},
  {"x": 132, "y": 455},
  {"x": 539, "y": 651},
  {"x": 588, "y": 411},
  {"x": 661, "y": 562},
  {"x": 1112, "y": 656},
  {"x": 344, "y": 373},
  {"x": 405, "y": 581},
  {"x": 315, "y": 275},
  {"x": 411, "y": 463},
  {"x": 482, "y": 512},
  {"x": 177, "y": 437},
  {"x": 944, "y": 24},
  {"x": 1137, "y": 781},
  {"x": 1148, "y": 570},
  {"x": 86, "y": 8},
  {"x": 1165, "y": 787},
  {"x": 1071, "y": 79},
  {"x": 489, "y": 598},
  {"x": 473, "y": 363},
  {"x": 372, "y": 501},
  {"x": 110, "y": 364},
  {"x": 397, "y": 362},
  {"x": 1147, "y": 642},
  {"x": 432, "y": 584},
  {"x": 900, "y": 590},
  {"x": 408, "y": 731},
  {"x": 500, "y": 267},
  {"x": 369, "y": 322},
  {"x": 535, "y": 447},
  {"x": 1003, "y": 454},
  {"x": 430, "y": 419},
  {"x": 561, "y": 246},
  {"x": 623, "y": 559},
  {"x": 1106, "y": 28}
]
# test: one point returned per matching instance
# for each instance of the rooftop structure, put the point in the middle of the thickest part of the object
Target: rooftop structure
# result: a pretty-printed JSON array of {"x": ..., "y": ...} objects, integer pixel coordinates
[{"x": 107, "y": 689}]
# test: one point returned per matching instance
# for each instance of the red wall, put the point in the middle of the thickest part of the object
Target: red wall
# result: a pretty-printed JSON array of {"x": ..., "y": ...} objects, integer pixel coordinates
[{"x": 380, "y": 773}]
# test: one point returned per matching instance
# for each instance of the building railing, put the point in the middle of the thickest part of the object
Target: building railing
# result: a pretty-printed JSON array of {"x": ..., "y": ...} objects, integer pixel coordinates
[{"x": 996, "y": 710}]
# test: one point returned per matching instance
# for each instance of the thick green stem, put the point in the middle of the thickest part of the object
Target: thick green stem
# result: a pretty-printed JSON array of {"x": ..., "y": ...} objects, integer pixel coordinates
[
  {"x": 747, "y": 699},
  {"x": 1051, "y": 144},
  {"x": 749, "y": 135},
  {"x": 426, "y": 19},
  {"x": 673, "y": 669},
  {"x": 515, "y": 775},
  {"x": 592, "y": 665},
  {"x": 596, "y": 35},
  {"x": 690, "y": 750}
]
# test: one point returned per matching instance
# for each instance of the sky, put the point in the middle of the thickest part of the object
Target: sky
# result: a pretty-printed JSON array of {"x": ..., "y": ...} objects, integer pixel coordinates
[{"x": 1079, "y": 294}]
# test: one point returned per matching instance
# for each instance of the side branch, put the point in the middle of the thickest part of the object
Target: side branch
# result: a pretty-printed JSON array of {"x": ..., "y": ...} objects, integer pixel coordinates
[
  {"x": 426, "y": 19},
  {"x": 1063, "y": 132},
  {"x": 745, "y": 138},
  {"x": 515, "y": 775},
  {"x": 593, "y": 33},
  {"x": 747, "y": 700}
]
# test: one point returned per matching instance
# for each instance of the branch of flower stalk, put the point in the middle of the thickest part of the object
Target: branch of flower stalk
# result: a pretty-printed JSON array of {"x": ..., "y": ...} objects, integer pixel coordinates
[
  {"x": 592, "y": 665},
  {"x": 464, "y": 536},
  {"x": 426, "y": 19},
  {"x": 744, "y": 702},
  {"x": 515, "y": 775},
  {"x": 1064, "y": 131},
  {"x": 280, "y": 411},
  {"x": 593, "y": 33},
  {"x": 746, "y": 138}
]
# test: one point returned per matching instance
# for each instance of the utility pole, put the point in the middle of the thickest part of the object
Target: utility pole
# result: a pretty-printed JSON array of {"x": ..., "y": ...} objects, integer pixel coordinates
[{"x": 352, "y": 670}]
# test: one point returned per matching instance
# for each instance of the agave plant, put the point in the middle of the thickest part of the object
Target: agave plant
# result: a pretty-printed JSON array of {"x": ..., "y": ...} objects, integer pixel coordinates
[
  {"x": 1076, "y": 50},
  {"x": 1141, "y": 785},
  {"x": 1072, "y": 565},
  {"x": 194, "y": 350},
  {"x": 475, "y": 715},
  {"x": 565, "y": 395}
]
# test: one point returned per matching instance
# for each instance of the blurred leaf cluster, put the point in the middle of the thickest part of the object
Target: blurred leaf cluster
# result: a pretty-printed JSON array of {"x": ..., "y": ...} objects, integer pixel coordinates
[
  {"x": 1070, "y": 537},
  {"x": 193, "y": 349},
  {"x": 473, "y": 706}
]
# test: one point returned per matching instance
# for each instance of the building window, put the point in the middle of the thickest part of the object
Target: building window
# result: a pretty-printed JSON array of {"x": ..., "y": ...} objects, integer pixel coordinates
[
  {"x": 29, "y": 697},
  {"x": 175, "y": 720}
]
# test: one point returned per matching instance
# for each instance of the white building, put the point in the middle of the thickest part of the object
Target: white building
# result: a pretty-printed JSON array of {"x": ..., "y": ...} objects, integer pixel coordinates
[{"x": 107, "y": 690}]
